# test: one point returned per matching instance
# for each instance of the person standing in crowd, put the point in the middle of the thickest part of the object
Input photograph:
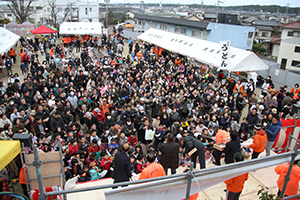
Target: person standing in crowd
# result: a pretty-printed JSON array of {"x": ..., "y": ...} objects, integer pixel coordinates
[
  {"x": 232, "y": 147},
  {"x": 190, "y": 143},
  {"x": 153, "y": 169},
  {"x": 235, "y": 185},
  {"x": 259, "y": 141},
  {"x": 222, "y": 137},
  {"x": 272, "y": 133},
  {"x": 293, "y": 184},
  {"x": 142, "y": 136},
  {"x": 169, "y": 154},
  {"x": 122, "y": 170},
  {"x": 252, "y": 119}
]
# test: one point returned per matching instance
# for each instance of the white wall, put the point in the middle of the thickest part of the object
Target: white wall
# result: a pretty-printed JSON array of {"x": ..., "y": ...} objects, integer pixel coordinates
[
  {"x": 88, "y": 11},
  {"x": 286, "y": 50},
  {"x": 275, "y": 50}
]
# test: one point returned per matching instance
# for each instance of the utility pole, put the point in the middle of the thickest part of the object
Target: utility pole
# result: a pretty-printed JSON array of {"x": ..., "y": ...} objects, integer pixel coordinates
[
  {"x": 107, "y": 1},
  {"x": 287, "y": 8},
  {"x": 217, "y": 19}
]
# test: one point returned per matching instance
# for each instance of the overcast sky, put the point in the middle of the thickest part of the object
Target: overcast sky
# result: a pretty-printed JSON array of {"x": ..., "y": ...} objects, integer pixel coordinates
[{"x": 293, "y": 3}]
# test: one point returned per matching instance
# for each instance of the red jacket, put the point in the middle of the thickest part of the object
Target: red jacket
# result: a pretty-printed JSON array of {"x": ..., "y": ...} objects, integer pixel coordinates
[
  {"x": 106, "y": 166},
  {"x": 93, "y": 149},
  {"x": 133, "y": 141},
  {"x": 99, "y": 116},
  {"x": 73, "y": 149}
]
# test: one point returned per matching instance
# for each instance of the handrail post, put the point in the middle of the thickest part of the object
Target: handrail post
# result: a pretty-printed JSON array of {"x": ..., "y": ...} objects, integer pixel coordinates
[
  {"x": 189, "y": 181},
  {"x": 287, "y": 176},
  {"x": 37, "y": 164}
]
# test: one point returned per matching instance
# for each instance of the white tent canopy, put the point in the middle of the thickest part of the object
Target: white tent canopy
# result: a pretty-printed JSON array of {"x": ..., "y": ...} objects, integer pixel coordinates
[
  {"x": 204, "y": 51},
  {"x": 7, "y": 40},
  {"x": 80, "y": 28}
]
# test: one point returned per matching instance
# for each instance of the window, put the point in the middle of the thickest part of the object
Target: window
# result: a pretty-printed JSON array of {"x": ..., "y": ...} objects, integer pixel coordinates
[
  {"x": 167, "y": 27},
  {"x": 183, "y": 31},
  {"x": 150, "y": 24},
  {"x": 250, "y": 34},
  {"x": 195, "y": 33},
  {"x": 177, "y": 29},
  {"x": 264, "y": 34},
  {"x": 9, "y": 15},
  {"x": 283, "y": 63},
  {"x": 297, "y": 49},
  {"x": 295, "y": 63},
  {"x": 140, "y": 22},
  {"x": 86, "y": 10},
  {"x": 91, "y": 9},
  {"x": 296, "y": 34},
  {"x": 290, "y": 33},
  {"x": 39, "y": 8},
  {"x": 90, "y": 20},
  {"x": 153, "y": 25},
  {"x": 48, "y": 9},
  {"x": 161, "y": 26},
  {"x": 293, "y": 34},
  {"x": 256, "y": 33}
]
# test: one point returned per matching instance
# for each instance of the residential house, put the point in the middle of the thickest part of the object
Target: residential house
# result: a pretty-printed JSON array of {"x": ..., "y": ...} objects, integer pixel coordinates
[
  {"x": 289, "y": 50},
  {"x": 239, "y": 36}
]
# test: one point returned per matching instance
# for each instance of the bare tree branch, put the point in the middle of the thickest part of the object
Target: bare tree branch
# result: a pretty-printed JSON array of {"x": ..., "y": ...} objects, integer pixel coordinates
[{"x": 20, "y": 9}]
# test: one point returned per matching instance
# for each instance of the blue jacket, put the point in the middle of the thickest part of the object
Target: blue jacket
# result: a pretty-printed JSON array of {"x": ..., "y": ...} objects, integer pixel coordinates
[{"x": 273, "y": 131}]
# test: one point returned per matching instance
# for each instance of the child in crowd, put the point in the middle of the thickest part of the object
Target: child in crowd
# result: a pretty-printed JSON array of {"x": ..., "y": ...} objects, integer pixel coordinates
[
  {"x": 94, "y": 147},
  {"x": 113, "y": 145}
]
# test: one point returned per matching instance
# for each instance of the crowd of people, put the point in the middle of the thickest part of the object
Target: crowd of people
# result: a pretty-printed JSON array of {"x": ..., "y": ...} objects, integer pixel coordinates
[{"x": 94, "y": 107}]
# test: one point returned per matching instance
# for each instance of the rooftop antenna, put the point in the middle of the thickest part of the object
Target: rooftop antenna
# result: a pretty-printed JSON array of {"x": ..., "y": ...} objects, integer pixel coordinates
[{"x": 202, "y": 5}]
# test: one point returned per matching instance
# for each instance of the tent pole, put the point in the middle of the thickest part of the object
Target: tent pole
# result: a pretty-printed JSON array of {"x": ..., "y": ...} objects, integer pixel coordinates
[
  {"x": 37, "y": 164},
  {"x": 190, "y": 175}
]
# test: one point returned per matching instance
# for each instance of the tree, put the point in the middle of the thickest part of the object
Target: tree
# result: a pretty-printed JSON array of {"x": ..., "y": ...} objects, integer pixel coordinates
[
  {"x": 55, "y": 10},
  {"x": 20, "y": 9},
  {"x": 124, "y": 17}
]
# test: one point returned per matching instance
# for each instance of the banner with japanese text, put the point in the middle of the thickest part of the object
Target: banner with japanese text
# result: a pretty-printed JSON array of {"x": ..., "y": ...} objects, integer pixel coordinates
[{"x": 225, "y": 54}]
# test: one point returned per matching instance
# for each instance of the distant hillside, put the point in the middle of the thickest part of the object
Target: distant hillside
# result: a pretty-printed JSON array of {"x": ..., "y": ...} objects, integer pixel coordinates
[{"x": 253, "y": 8}]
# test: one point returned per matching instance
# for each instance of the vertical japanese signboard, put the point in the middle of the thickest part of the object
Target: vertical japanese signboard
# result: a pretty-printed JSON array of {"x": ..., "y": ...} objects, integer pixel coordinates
[{"x": 225, "y": 54}]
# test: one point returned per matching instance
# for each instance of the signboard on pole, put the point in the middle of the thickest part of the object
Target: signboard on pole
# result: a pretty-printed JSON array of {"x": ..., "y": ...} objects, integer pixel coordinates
[{"x": 225, "y": 54}]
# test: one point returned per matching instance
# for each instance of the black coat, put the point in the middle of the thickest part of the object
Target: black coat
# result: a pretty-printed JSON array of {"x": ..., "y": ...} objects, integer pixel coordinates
[
  {"x": 191, "y": 143},
  {"x": 231, "y": 148},
  {"x": 169, "y": 155},
  {"x": 122, "y": 171}
]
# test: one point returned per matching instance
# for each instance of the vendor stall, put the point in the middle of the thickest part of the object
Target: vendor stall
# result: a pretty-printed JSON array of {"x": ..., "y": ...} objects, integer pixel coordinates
[{"x": 204, "y": 51}]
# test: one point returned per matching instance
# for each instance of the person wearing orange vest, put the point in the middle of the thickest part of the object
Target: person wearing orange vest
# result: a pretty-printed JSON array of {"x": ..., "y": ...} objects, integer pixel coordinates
[
  {"x": 153, "y": 169},
  {"x": 13, "y": 54},
  {"x": 22, "y": 180},
  {"x": 177, "y": 62},
  {"x": 259, "y": 141},
  {"x": 52, "y": 52},
  {"x": 295, "y": 89},
  {"x": 223, "y": 137},
  {"x": 235, "y": 185},
  {"x": 293, "y": 184}
]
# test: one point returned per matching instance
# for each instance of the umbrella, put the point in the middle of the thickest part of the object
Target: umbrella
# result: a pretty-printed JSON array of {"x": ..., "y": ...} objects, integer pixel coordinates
[{"x": 128, "y": 26}]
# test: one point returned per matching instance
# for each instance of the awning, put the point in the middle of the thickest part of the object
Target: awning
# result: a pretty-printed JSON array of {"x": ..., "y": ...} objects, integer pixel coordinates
[
  {"x": 42, "y": 30},
  {"x": 8, "y": 39},
  {"x": 51, "y": 27},
  {"x": 80, "y": 28},
  {"x": 204, "y": 51},
  {"x": 9, "y": 150},
  {"x": 128, "y": 26}
]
